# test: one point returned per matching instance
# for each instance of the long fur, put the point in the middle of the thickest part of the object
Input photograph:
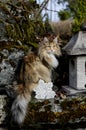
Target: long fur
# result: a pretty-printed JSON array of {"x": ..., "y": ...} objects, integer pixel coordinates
[
  {"x": 34, "y": 68},
  {"x": 19, "y": 108},
  {"x": 20, "y": 104}
]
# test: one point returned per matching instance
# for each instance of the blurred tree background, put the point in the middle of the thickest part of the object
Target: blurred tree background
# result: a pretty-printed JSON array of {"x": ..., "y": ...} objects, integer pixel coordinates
[
  {"x": 22, "y": 21},
  {"x": 76, "y": 10}
]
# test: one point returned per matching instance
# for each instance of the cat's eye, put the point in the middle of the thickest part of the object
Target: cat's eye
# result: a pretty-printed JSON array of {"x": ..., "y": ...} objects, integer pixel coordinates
[
  {"x": 54, "y": 46},
  {"x": 47, "y": 46}
]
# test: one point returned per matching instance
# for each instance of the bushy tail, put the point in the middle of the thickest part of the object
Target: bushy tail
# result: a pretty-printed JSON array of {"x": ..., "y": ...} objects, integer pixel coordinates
[{"x": 19, "y": 107}]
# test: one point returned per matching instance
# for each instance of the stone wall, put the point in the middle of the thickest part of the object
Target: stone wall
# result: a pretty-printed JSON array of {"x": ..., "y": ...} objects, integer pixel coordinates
[{"x": 2, "y": 108}]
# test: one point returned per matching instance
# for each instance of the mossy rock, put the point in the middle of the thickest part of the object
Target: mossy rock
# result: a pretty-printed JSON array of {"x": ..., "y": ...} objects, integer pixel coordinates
[
  {"x": 70, "y": 112},
  {"x": 9, "y": 45}
]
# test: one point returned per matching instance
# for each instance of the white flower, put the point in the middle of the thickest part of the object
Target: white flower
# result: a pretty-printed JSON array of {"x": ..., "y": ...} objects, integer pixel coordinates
[{"x": 44, "y": 90}]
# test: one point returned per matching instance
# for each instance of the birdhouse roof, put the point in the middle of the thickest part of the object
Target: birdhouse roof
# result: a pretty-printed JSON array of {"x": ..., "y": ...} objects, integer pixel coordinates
[{"x": 77, "y": 44}]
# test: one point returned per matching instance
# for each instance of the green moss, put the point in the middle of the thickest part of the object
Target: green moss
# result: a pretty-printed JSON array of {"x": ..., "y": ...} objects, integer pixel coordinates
[
  {"x": 70, "y": 104},
  {"x": 41, "y": 112},
  {"x": 66, "y": 116},
  {"x": 71, "y": 110},
  {"x": 22, "y": 24},
  {"x": 37, "y": 116},
  {"x": 10, "y": 46}
]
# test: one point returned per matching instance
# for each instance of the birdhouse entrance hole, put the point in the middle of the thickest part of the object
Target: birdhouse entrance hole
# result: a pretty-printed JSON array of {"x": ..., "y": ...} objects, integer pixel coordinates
[{"x": 85, "y": 69}]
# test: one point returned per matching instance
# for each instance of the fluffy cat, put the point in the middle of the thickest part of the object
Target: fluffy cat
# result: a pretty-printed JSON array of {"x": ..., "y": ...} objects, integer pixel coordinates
[{"x": 34, "y": 67}]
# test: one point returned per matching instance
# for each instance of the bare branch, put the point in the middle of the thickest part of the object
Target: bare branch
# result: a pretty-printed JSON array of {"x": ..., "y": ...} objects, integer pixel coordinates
[
  {"x": 44, "y": 3},
  {"x": 51, "y": 10}
]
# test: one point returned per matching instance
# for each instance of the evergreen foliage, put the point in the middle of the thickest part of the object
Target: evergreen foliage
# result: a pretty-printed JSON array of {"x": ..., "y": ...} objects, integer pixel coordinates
[
  {"x": 76, "y": 10},
  {"x": 64, "y": 14},
  {"x": 21, "y": 21}
]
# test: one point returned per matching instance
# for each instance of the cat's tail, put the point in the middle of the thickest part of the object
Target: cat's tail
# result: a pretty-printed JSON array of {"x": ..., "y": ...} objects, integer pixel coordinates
[{"x": 19, "y": 107}]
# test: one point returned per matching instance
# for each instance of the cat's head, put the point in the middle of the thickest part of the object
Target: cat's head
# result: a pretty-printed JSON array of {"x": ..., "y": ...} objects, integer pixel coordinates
[{"x": 50, "y": 47}]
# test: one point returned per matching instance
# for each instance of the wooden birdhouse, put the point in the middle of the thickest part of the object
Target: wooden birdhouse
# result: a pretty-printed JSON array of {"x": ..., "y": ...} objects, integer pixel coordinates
[{"x": 76, "y": 49}]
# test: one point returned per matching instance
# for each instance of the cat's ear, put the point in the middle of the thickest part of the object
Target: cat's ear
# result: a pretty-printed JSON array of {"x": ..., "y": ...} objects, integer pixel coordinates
[
  {"x": 57, "y": 40},
  {"x": 45, "y": 40}
]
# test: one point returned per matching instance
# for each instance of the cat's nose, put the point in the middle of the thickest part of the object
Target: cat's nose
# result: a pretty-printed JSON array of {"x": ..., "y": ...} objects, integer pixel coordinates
[{"x": 52, "y": 50}]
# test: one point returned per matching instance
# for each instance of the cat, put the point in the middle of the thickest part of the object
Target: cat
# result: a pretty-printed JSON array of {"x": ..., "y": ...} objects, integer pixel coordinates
[{"x": 35, "y": 67}]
